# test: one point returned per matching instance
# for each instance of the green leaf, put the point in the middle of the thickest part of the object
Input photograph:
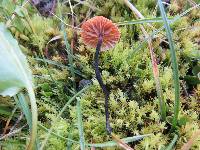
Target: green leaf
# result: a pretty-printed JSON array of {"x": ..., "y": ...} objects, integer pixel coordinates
[
  {"x": 15, "y": 74},
  {"x": 14, "y": 67}
]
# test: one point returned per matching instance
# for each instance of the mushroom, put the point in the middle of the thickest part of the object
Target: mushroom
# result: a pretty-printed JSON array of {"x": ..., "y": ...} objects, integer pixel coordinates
[{"x": 100, "y": 33}]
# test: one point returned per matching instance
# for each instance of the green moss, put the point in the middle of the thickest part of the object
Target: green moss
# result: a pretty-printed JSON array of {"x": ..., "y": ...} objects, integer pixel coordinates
[{"x": 126, "y": 72}]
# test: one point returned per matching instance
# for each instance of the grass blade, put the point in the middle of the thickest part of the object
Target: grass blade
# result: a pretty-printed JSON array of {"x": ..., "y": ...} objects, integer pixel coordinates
[
  {"x": 174, "y": 64},
  {"x": 97, "y": 145},
  {"x": 112, "y": 143},
  {"x": 68, "y": 48},
  {"x": 60, "y": 65},
  {"x": 142, "y": 21},
  {"x": 22, "y": 102},
  {"x": 171, "y": 145},
  {"x": 59, "y": 115},
  {"x": 69, "y": 143},
  {"x": 80, "y": 125},
  {"x": 25, "y": 108},
  {"x": 162, "y": 105},
  {"x": 177, "y": 17}
]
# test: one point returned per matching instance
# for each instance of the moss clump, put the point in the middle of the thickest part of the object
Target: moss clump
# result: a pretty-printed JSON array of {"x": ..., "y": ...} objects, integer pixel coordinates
[{"x": 126, "y": 70}]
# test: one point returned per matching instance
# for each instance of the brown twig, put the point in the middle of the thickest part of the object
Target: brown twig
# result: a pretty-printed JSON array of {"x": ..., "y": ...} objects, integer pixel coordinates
[
  {"x": 12, "y": 133},
  {"x": 17, "y": 122},
  {"x": 8, "y": 121},
  {"x": 121, "y": 143},
  {"x": 188, "y": 145}
]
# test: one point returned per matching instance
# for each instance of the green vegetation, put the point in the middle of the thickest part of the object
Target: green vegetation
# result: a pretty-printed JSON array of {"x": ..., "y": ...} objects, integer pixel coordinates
[{"x": 70, "y": 111}]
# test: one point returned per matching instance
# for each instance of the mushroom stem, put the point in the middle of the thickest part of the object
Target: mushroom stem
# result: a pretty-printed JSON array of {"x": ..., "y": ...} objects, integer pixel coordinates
[{"x": 103, "y": 86}]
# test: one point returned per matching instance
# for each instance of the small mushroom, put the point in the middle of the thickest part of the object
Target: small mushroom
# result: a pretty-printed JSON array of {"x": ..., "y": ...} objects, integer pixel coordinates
[{"x": 100, "y": 33}]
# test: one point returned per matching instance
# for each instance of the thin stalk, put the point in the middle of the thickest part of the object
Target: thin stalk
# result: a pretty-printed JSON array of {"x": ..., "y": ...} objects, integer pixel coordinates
[
  {"x": 174, "y": 65},
  {"x": 103, "y": 86}
]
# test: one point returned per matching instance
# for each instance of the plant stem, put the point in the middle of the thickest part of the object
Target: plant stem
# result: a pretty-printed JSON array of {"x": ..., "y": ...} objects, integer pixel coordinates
[{"x": 103, "y": 86}]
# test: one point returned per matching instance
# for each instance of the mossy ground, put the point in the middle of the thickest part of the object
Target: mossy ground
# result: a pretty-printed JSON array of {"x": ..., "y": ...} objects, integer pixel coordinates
[{"x": 126, "y": 72}]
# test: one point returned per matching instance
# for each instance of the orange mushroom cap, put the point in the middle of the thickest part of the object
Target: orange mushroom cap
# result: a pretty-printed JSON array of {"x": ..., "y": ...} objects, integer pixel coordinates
[{"x": 100, "y": 27}]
